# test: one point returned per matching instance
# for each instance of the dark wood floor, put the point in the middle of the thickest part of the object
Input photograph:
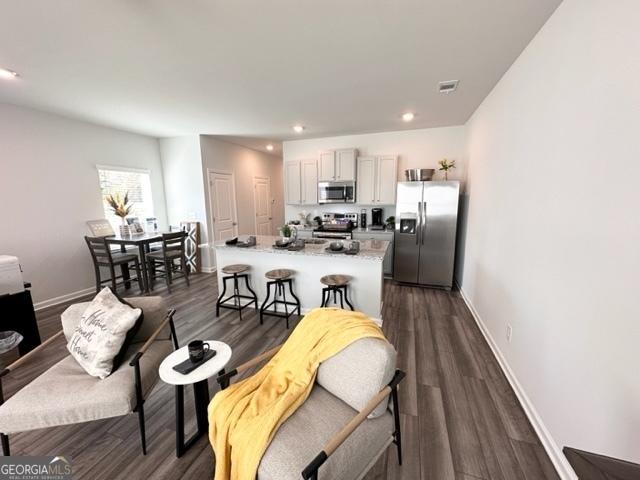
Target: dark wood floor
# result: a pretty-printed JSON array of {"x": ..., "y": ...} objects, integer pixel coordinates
[{"x": 460, "y": 418}]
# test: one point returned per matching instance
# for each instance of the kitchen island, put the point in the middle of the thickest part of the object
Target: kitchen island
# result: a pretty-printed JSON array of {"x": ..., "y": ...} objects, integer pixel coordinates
[{"x": 310, "y": 264}]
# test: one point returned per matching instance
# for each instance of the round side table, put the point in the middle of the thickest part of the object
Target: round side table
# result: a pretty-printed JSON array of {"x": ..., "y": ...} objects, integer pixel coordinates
[{"x": 199, "y": 379}]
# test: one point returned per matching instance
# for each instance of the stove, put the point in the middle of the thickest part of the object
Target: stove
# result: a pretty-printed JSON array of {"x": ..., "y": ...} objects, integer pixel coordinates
[{"x": 336, "y": 225}]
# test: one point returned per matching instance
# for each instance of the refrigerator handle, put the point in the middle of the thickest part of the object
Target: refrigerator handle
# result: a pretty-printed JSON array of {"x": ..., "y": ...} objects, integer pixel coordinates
[
  {"x": 424, "y": 222},
  {"x": 419, "y": 223}
]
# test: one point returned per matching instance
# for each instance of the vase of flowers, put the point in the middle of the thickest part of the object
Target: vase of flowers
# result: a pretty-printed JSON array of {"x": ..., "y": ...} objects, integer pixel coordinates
[
  {"x": 121, "y": 207},
  {"x": 445, "y": 166}
]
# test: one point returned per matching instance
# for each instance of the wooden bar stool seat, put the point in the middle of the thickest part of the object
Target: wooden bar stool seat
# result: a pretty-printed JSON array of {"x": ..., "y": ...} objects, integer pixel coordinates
[
  {"x": 338, "y": 284},
  {"x": 279, "y": 278},
  {"x": 234, "y": 302},
  {"x": 279, "y": 274},
  {"x": 236, "y": 268}
]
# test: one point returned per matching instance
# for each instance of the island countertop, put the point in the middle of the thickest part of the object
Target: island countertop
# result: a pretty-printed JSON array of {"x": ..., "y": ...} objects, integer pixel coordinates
[
  {"x": 369, "y": 249},
  {"x": 309, "y": 266}
]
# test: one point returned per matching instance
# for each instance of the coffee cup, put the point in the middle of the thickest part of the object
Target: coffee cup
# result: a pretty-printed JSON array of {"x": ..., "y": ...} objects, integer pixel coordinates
[{"x": 197, "y": 350}]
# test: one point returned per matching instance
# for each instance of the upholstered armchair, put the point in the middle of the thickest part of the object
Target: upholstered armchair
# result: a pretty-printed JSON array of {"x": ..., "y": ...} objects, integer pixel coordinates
[
  {"x": 346, "y": 423},
  {"x": 66, "y": 394}
]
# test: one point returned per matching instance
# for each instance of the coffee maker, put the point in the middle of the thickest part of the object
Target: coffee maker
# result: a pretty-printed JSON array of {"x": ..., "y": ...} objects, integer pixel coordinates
[{"x": 377, "y": 222}]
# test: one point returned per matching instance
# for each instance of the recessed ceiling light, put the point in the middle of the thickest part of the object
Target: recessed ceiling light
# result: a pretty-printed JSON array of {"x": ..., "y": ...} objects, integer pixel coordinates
[
  {"x": 407, "y": 117},
  {"x": 270, "y": 147},
  {"x": 448, "y": 86},
  {"x": 7, "y": 74},
  {"x": 298, "y": 128}
]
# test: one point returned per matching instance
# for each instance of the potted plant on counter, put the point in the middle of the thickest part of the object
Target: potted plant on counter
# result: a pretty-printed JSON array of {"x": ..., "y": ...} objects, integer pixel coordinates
[
  {"x": 121, "y": 208},
  {"x": 391, "y": 223},
  {"x": 285, "y": 230}
]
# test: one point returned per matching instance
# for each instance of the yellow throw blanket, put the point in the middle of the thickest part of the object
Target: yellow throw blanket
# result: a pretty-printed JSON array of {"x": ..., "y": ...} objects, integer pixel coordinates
[{"x": 244, "y": 417}]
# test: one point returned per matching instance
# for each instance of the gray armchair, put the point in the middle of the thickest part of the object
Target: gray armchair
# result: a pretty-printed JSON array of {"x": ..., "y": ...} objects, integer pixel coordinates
[
  {"x": 66, "y": 394},
  {"x": 345, "y": 424}
]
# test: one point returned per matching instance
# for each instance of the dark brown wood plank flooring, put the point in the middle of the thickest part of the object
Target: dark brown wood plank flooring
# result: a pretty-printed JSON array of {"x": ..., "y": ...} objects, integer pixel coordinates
[{"x": 460, "y": 418}]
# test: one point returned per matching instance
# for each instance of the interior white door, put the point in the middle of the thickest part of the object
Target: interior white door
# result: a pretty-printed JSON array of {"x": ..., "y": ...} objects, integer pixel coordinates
[
  {"x": 387, "y": 179},
  {"x": 327, "y": 166},
  {"x": 222, "y": 205},
  {"x": 262, "y": 205}
]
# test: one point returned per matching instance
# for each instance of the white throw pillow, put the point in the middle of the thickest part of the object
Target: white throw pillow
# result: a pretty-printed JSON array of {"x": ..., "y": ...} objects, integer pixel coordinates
[{"x": 101, "y": 332}]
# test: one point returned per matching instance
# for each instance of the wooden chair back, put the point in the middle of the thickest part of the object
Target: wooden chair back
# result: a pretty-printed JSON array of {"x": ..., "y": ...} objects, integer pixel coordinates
[
  {"x": 100, "y": 251},
  {"x": 100, "y": 228},
  {"x": 173, "y": 242}
]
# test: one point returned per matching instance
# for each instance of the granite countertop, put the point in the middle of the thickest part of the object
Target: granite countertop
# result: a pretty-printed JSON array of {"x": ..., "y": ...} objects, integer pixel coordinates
[{"x": 369, "y": 249}]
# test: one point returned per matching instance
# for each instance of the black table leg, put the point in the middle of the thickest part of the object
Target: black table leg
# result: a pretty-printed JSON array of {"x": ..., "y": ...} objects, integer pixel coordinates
[
  {"x": 143, "y": 267},
  {"x": 201, "y": 396}
]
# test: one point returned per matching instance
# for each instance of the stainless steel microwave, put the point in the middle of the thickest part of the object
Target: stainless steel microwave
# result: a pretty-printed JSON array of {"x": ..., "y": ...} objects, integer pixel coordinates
[{"x": 337, "y": 192}]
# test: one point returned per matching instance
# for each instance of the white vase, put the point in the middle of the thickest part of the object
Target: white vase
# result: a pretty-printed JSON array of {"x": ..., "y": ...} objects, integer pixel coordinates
[{"x": 125, "y": 230}]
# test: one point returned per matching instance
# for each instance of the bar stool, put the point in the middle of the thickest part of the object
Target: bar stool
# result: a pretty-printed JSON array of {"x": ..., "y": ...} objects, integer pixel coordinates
[
  {"x": 279, "y": 278},
  {"x": 235, "y": 272},
  {"x": 338, "y": 285}
]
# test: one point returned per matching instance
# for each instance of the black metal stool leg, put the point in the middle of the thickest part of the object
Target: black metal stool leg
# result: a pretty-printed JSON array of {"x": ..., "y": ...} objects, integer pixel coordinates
[
  {"x": 341, "y": 299},
  {"x": 224, "y": 290},
  {"x": 246, "y": 282},
  {"x": 286, "y": 307},
  {"x": 346, "y": 298},
  {"x": 324, "y": 292},
  {"x": 236, "y": 292},
  {"x": 294, "y": 296},
  {"x": 266, "y": 300}
]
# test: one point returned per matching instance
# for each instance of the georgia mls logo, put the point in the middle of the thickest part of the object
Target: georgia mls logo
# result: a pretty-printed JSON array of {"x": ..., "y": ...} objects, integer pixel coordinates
[{"x": 35, "y": 468}]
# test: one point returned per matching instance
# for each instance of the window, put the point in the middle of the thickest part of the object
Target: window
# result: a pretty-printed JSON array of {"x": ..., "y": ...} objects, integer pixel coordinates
[{"x": 122, "y": 180}]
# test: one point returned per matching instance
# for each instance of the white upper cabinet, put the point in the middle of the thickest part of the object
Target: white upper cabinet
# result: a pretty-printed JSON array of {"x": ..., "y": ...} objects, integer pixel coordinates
[
  {"x": 377, "y": 179},
  {"x": 301, "y": 182},
  {"x": 309, "y": 181},
  {"x": 292, "y": 183},
  {"x": 387, "y": 178},
  {"x": 365, "y": 186},
  {"x": 346, "y": 164},
  {"x": 337, "y": 165},
  {"x": 327, "y": 166}
]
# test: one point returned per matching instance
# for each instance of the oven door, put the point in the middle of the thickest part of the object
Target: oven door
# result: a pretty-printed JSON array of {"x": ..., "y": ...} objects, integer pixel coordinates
[
  {"x": 336, "y": 192},
  {"x": 333, "y": 235}
]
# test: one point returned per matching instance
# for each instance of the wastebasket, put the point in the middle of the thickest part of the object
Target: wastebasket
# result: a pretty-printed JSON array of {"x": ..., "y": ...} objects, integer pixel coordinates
[{"x": 9, "y": 342}]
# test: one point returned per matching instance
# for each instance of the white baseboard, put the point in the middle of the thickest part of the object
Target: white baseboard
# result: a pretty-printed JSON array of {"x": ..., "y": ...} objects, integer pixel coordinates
[
  {"x": 551, "y": 447},
  {"x": 63, "y": 298},
  {"x": 208, "y": 269}
]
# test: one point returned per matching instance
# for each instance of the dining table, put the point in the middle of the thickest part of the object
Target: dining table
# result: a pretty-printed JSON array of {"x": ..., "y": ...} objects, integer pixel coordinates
[{"x": 142, "y": 241}]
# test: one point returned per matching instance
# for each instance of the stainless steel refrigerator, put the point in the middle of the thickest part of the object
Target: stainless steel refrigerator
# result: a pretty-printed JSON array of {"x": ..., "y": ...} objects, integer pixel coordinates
[{"x": 425, "y": 233}]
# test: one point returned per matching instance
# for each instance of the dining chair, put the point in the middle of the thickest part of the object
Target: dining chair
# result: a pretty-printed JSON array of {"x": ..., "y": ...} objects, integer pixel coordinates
[
  {"x": 104, "y": 257},
  {"x": 163, "y": 263}
]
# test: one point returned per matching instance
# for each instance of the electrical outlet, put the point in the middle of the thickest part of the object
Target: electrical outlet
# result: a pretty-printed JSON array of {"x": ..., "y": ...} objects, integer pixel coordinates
[{"x": 509, "y": 333}]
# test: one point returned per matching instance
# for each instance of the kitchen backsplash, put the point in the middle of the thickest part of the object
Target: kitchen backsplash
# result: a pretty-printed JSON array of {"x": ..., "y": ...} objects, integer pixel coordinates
[{"x": 292, "y": 211}]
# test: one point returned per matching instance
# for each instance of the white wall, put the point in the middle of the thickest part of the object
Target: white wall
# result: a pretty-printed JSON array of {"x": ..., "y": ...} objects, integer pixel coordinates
[
  {"x": 49, "y": 188},
  {"x": 184, "y": 183},
  {"x": 553, "y": 235},
  {"x": 415, "y": 149},
  {"x": 245, "y": 163}
]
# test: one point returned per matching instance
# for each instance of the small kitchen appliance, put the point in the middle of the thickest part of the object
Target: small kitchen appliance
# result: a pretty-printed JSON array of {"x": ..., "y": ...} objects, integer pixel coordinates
[
  {"x": 377, "y": 222},
  {"x": 363, "y": 218}
]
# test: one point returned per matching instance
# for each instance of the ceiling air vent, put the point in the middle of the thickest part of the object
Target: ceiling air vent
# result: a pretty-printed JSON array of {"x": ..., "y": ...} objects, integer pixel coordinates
[{"x": 448, "y": 86}]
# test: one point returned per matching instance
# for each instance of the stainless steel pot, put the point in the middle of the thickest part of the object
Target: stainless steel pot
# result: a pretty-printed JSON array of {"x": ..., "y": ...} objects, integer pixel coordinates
[{"x": 419, "y": 174}]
